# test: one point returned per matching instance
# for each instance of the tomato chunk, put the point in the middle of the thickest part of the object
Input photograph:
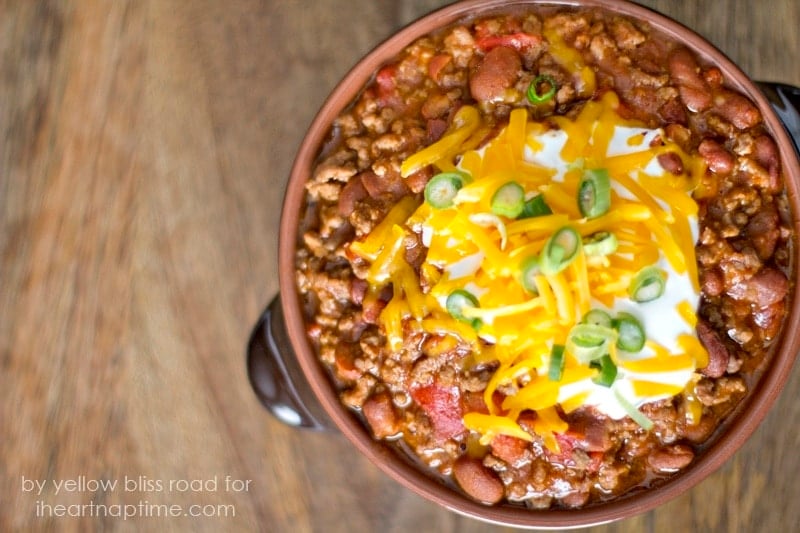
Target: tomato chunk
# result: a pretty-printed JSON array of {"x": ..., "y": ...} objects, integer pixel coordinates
[
  {"x": 443, "y": 407},
  {"x": 519, "y": 41}
]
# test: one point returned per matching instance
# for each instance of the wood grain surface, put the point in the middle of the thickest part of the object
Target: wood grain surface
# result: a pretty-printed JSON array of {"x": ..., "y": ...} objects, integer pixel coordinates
[{"x": 144, "y": 147}]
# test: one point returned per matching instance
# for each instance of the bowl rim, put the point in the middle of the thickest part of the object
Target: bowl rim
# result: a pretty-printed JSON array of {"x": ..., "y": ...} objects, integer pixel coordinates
[{"x": 738, "y": 428}]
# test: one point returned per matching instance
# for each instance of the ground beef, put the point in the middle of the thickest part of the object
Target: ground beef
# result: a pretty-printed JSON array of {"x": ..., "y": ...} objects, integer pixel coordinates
[{"x": 421, "y": 390}]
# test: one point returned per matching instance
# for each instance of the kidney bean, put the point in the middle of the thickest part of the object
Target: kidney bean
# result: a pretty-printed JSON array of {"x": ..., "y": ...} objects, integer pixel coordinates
[
  {"x": 719, "y": 160},
  {"x": 701, "y": 431},
  {"x": 391, "y": 183},
  {"x": 357, "y": 290},
  {"x": 434, "y": 130},
  {"x": 736, "y": 109},
  {"x": 718, "y": 354},
  {"x": 763, "y": 231},
  {"x": 767, "y": 287},
  {"x": 415, "y": 252},
  {"x": 712, "y": 282},
  {"x": 380, "y": 415},
  {"x": 671, "y": 162},
  {"x": 373, "y": 304},
  {"x": 351, "y": 193},
  {"x": 695, "y": 99},
  {"x": 685, "y": 71},
  {"x": 766, "y": 154},
  {"x": 478, "y": 481},
  {"x": 671, "y": 458},
  {"x": 497, "y": 72},
  {"x": 769, "y": 319}
]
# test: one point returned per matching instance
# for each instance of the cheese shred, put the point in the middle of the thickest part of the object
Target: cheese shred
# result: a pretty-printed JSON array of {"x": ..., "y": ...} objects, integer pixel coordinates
[{"x": 517, "y": 321}]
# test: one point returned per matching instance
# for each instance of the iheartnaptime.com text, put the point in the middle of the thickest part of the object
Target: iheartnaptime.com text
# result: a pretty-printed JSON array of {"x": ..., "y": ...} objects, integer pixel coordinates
[{"x": 48, "y": 491}]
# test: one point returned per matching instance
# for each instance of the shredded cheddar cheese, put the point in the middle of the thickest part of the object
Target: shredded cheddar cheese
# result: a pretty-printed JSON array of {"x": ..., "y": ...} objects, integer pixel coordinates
[
  {"x": 571, "y": 59},
  {"x": 517, "y": 322}
]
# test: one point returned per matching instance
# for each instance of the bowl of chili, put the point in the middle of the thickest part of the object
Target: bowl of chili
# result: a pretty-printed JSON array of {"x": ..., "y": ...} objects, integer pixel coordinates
[{"x": 421, "y": 194}]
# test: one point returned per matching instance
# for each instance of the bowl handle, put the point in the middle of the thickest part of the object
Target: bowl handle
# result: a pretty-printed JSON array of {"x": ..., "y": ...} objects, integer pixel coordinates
[
  {"x": 276, "y": 377},
  {"x": 785, "y": 100}
]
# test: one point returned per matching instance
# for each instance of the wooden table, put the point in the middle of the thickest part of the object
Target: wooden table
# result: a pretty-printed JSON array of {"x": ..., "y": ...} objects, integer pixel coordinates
[{"x": 145, "y": 147}]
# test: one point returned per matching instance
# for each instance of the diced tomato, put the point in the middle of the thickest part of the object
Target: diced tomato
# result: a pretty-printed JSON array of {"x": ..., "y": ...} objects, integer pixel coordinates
[
  {"x": 443, "y": 407},
  {"x": 518, "y": 41},
  {"x": 436, "y": 64},
  {"x": 385, "y": 79},
  {"x": 387, "y": 86},
  {"x": 473, "y": 403},
  {"x": 568, "y": 442},
  {"x": 509, "y": 449}
]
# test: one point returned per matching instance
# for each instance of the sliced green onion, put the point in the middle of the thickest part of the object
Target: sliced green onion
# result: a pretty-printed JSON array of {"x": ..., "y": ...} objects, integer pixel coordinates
[
  {"x": 648, "y": 284},
  {"x": 597, "y": 317},
  {"x": 632, "y": 411},
  {"x": 535, "y": 96},
  {"x": 457, "y": 302},
  {"x": 594, "y": 192},
  {"x": 557, "y": 362},
  {"x": 559, "y": 251},
  {"x": 631, "y": 337},
  {"x": 508, "y": 200},
  {"x": 600, "y": 243},
  {"x": 588, "y": 342},
  {"x": 442, "y": 189},
  {"x": 530, "y": 269},
  {"x": 535, "y": 207},
  {"x": 608, "y": 371}
]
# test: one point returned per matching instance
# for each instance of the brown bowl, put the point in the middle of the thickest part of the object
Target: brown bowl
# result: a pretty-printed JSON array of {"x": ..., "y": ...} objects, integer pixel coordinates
[{"x": 289, "y": 379}]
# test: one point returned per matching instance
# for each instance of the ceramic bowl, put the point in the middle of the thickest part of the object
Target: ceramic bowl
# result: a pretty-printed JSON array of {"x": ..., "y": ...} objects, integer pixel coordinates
[{"x": 290, "y": 381}]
